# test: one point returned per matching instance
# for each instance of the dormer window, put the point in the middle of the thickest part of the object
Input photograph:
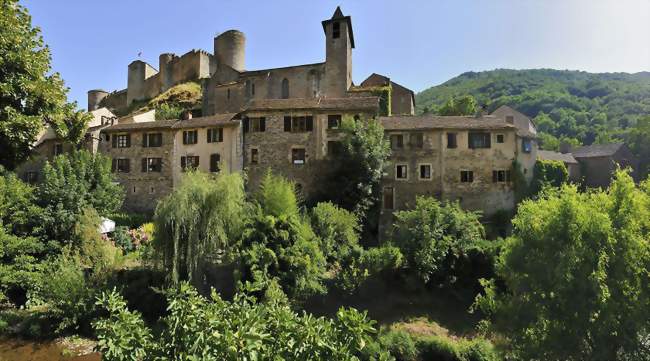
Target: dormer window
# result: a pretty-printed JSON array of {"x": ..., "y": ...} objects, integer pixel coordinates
[{"x": 336, "y": 30}]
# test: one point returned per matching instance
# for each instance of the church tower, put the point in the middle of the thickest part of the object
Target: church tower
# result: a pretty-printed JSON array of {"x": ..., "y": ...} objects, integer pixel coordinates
[{"x": 339, "y": 42}]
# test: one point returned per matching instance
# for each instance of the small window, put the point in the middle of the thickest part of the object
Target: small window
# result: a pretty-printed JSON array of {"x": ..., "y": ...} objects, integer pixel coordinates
[
  {"x": 388, "y": 195},
  {"x": 121, "y": 165},
  {"x": 477, "y": 140},
  {"x": 334, "y": 148},
  {"x": 336, "y": 30},
  {"x": 255, "y": 156},
  {"x": 152, "y": 190},
  {"x": 298, "y": 124},
  {"x": 31, "y": 177},
  {"x": 253, "y": 89},
  {"x": 285, "y": 88},
  {"x": 190, "y": 137},
  {"x": 425, "y": 171},
  {"x": 401, "y": 171},
  {"x": 417, "y": 140},
  {"x": 501, "y": 138},
  {"x": 452, "y": 140},
  {"x": 397, "y": 141},
  {"x": 58, "y": 149},
  {"x": 151, "y": 165},
  {"x": 150, "y": 140},
  {"x": 298, "y": 155},
  {"x": 258, "y": 124},
  {"x": 228, "y": 93},
  {"x": 500, "y": 176},
  {"x": 215, "y": 160},
  {"x": 189, "y": 163},
  {"x": 122, "y": 141},
  {"x": 215, "y": 135},
  {"x": 333, "y": 121},
  {"x": 466, "y": 176},
  {"x": 526, "y": 145},
  {"x": 134, "y": 189}
]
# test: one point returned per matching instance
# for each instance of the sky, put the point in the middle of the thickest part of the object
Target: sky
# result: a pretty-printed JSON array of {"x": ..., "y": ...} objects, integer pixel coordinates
[{"x": 417, "y": 43}]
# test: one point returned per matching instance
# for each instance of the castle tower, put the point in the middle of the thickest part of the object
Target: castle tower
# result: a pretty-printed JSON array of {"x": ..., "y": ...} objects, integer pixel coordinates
[
  {"x": 339, "y": 42},
  {"x": 95, "y": 96},
  {"x": 166, "y": 71},
  {"x": 229, "y": 49}
]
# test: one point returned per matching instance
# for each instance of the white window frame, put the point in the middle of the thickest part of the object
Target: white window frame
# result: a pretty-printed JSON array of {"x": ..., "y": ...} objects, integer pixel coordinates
[
  {"x": 430, "y": 172},
  {"x": 407, "y": 171}
]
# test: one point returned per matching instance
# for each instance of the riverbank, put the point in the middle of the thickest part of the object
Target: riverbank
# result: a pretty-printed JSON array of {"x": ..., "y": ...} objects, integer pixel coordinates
[{"x": 61, "y": 349}]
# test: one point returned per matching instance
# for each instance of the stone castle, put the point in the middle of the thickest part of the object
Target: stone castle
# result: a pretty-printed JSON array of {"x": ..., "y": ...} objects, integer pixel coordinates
[{"x": 287, "y": 119}]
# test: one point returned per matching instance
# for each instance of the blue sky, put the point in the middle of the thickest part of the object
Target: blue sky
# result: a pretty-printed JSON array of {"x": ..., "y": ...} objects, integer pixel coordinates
[{"x": 418, "y": 43}]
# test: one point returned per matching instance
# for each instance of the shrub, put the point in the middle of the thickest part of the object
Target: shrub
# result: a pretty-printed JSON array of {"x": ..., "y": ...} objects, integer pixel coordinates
[
  {"x": 277, "y": 196},
  {"x": 400, "y": 345},
  {"x": 439, "y": 349},
  {"x": 122, "y": 239},
  {"x": 337, "y": 228},
  {"x": 130, "y": 220}
]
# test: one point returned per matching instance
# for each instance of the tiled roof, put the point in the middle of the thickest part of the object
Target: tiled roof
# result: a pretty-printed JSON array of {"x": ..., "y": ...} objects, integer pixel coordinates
[
  {"x": 351, "y": 103},
  {"x": 550, "y": 155},
  {"x": 212, "y": 120},
  {"x": 596, "y": 150},
  {"x": 158, "y": 124},
  {"x": 410, "y": 122}
]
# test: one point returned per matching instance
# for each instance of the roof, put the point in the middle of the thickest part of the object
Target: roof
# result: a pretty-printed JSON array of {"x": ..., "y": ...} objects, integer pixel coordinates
[
  {"x": 550, "y": 155},
  {"x": 505, "y": 109},
  {"x": 212, "y": 120},
  {"x": 351, "y": 103},
  {"x": 158, "y": 124},
  {"x": 411, "y": 122},
  {"x": 338, "y": 15},
  {"x": 596, "y": 150}
]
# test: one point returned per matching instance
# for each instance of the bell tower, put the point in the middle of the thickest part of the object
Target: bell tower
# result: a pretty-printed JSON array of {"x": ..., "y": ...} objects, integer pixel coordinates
[{"x": 339, "y": 42}]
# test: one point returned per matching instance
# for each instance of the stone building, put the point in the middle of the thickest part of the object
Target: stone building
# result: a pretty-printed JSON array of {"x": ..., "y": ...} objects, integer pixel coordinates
[
  {"x": 598, "y": 162},
  {"x": 571, "y": 164}
]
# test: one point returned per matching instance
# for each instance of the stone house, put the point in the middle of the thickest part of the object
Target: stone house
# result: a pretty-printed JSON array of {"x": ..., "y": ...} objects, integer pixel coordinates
[
  {"x": 598, "y": 162},
  {"x": 571, "y": 164}
]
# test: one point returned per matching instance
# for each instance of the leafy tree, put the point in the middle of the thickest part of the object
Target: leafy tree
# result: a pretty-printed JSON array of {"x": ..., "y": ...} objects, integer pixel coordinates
[
  {"x": 337, "y": 228},
  {"x": 242, "y": 329},
  {"x": 30, "y": 95},
  {"x": 548, "y": 173},
  {"x": 277, "y": 196},
  {"x": 463, "y": 105},
  {"x": 204, "y": 215},
  {"x": 20, "y": 266},
  {"x": 433, "y": 236},
  {"x": 575, "y": 275},
  {"x": 71, "y": 183},
  {"x": 18, "y": 211},
  {"x": 640, "y": 145}
]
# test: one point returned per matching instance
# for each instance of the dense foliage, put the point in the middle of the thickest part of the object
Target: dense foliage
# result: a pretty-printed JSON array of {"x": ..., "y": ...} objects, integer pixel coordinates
[
  {"x": 462, "y": 105},
  {"x": 570, "y": 105},
  {"x": 548, "y": 173},
  {"x": 338, "y": 230},
  {"x": 31, "y": 97},
  {"x": 576, "y": 275},
  {"x": 197, "y": 328}
]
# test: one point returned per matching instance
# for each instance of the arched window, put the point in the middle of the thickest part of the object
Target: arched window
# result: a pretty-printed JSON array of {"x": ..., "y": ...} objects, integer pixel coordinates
[{"x": 285, "y": 88}]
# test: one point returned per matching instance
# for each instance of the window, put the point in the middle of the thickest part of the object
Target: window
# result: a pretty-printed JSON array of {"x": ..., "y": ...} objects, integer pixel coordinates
[
  {"x": 285, "y": 88},
  {"x": 397, "y": 141},
  {"x": 501, "y": 138},
  {"x": 253, "y": 89},
  {"x": 189, "y": 162},
  {"x": 466, "y": 176},
  {"x": 500, "y": 176},
  {"x": 254, "y": 124},
  {"x": 255, "y": 156},
  {"x": 121, "y": 165},
  {"x": 451, "y": 140},
  {"x": 417, "y": 140},
  {"x": 150, "y": 140},
  {"x": 333, "y": 121},
  {"x": 334, "y": 148},
  {"x": 215, "y": 159},
  {"x": 31, "y": 177},
  {"x": 425, "y": 171},
  {"x": 388, "y": 195},
  {"x": 336, "y": 30},
  {"x": 298, "y": 155},
  {"x": 151, "y": 165},
  {"x": 298, "y": 124},
  {"x": 58, "y": 149},
  {"x": 122, "y": 141},
  {"x": 401, "y": 171},
  {"x": 152, "y": 190},
  {"x": 526, "y": 145},
  {"x": 215, "y": 135},
  {"x": 190, "y": 137},
  {"x": 107, "y": 137},
  {"x": 228, "y": 93},
  {"x": 478, "y": 140}
]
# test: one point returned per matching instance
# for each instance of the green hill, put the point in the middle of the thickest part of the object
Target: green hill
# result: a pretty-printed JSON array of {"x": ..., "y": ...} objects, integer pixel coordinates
[{"x": 583, "y": 107}]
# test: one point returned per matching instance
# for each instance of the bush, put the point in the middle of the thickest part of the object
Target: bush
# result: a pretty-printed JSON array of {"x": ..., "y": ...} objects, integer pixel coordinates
[
  {"x": 337, "y": 228},
  {"x": 361, "y": 264},
  {"x": 445, "y": 349},
  {"x": 400, "y": 345},
  {"x": 122, "y": 239},
  {"x": 130, "y": 220}
]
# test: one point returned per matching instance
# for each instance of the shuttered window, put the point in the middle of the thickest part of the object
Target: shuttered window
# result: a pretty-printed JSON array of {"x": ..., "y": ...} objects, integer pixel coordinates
[
  {"x": 190, "y": 137},
  {"x": 215, "y": 135},
  {"x": 215, "y": 159},
  {"x": 298, "y": 124},
  {"x": 150, "y": 140}
]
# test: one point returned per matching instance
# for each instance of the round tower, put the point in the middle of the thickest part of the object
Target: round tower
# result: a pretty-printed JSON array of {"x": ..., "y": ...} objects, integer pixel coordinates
[
  {"x": 229, "y": 49},
  {"x": 95, "y": 96},
  {"x": 165, "y": 70}
]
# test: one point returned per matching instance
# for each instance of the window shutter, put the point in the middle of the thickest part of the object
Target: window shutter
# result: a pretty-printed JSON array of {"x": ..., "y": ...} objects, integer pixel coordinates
[
  {"x": 114, "y": 141},
  {"x": 196, "y": 137},
  {"x": 128, "y": 140},
  {"x": 488, "y": 139},
  {"x": 209, "y": 135},
  {"x": 185, "y": 137},
  {"x": 128, "y": 164},
  {"x": 159, "y": 136},
  {"x": 262, "y": 124},
  {"x": 246, "y": 125},
  {"x": 214, "y": 162},
  {"x": 196, "y": 162},
  {"x": 144, "y": 140},
  {"x": 144, "y": 165},
  {"x": 495, "y": 176},
  {"x": 113, "y": 165},
  {"x": 310, "y": 123},
  {"x": 287, "y": 123},
  {"x": 221, "y": 134},
  {"x": 183, "y": 162}
]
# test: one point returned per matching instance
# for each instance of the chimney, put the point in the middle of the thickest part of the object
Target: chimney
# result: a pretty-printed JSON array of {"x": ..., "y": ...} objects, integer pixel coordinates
[
  {"x": 483, "y": 111},
  {"x": 187, "y": 115}
]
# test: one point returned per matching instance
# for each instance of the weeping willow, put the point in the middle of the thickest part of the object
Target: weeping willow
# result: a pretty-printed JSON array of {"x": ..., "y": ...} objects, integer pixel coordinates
[{"x": 204, "y": 215}]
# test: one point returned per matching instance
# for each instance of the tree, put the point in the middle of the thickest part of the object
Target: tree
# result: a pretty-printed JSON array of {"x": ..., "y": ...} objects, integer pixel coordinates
[
  {"x": 640, "y": 145},
  {"x": 575, "y": 275},
  {"x": 30, "y": 95},
  {"x": 18, "y": 211},
  {"x": 433, "y": 236},
  {"x": 71, "y": 183},
  {"x": 337, "y": 228},
  {"x": 203, "y": 216},
  {"x": 464, "y": 105},
  {"x": 548, "y": 173}
]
